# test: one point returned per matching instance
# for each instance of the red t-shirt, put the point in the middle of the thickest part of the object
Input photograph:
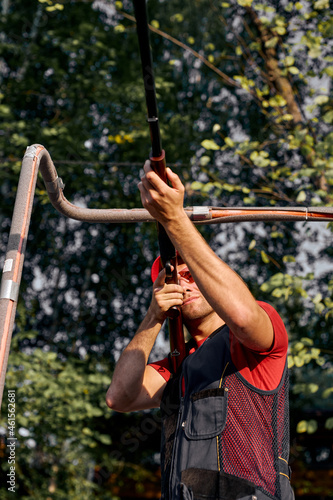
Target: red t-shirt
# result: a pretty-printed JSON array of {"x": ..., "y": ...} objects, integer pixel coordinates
[{"x": 263, "y": 370}]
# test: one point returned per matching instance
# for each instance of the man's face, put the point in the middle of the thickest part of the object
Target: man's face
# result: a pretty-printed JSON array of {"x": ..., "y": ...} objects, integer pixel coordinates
[{"x": 195, "y": 306}]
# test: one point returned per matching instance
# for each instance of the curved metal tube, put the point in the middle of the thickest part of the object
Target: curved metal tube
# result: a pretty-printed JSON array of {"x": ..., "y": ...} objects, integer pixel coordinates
[
  {"x": 37, "y": 157},
  {"x": 199, "y": 215}
]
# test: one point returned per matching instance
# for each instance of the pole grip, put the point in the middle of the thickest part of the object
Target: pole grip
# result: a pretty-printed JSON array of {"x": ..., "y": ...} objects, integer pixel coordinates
[{"x": 158, "y": 164}]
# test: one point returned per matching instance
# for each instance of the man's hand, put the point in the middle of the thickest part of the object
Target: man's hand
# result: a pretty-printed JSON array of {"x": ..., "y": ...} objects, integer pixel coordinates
[
  {"x": 163, "y": 202},
  {"x": 164, "y": 297}
]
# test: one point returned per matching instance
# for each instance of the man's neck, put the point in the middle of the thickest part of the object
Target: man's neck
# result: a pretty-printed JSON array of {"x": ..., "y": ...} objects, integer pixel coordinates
[{"x": 203, "y": 327}]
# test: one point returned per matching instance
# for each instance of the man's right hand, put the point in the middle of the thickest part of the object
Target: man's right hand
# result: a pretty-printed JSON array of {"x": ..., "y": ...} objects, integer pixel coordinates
[{"x": 164, "y": 297}]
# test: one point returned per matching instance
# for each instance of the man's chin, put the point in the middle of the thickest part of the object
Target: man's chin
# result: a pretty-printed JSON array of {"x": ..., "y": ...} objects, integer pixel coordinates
[{"x": 190, "y": 314}]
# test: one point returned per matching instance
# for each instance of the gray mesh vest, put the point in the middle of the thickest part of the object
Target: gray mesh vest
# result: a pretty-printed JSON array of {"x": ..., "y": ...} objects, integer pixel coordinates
[{"x": 224, "y": 439}]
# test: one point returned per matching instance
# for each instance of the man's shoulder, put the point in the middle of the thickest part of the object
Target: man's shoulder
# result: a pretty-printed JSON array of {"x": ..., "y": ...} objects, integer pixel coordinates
[{"x": 280, "y": 332}]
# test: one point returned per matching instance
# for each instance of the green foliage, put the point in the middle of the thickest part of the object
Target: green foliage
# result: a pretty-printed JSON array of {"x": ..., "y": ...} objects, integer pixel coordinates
[{"x": 60, "y": 422}]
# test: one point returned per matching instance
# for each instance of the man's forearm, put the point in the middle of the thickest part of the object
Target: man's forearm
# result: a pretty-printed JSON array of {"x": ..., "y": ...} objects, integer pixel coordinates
[{"x": 128, "y": 375}]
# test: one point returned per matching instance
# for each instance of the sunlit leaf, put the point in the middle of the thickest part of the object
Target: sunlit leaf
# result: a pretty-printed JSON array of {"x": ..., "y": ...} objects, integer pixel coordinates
[{"x": 210, "y": 145}]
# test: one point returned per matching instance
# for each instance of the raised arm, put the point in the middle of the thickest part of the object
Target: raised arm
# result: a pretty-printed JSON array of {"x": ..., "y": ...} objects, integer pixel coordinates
[
  {"x": 134, "y": 385},
  {"x": 221, "y": 286}
]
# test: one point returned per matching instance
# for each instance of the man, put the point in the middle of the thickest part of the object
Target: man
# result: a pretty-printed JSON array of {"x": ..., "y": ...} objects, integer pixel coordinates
[{"x": 225, "y": 429}]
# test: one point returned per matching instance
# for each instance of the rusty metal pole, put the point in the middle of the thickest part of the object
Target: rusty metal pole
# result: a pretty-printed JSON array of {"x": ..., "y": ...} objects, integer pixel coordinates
[{"x": 12, "y": 270}]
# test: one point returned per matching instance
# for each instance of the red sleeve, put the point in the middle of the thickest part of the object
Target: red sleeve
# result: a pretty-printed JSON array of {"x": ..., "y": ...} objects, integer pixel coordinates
[
  {"x": 163, "y": 368},
  {"x": 263, "y": 370}
]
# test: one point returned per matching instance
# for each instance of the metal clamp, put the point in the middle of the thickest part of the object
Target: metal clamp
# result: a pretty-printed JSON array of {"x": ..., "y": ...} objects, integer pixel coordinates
[
  {"x": 201, "y": 213},
  {"x": 54, "y": 186},
  {"x": 9, "y": 290}
]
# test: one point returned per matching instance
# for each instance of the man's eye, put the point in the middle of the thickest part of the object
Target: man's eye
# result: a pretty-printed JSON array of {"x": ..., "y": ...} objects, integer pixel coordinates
[{"x": 186, "y": 275}]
